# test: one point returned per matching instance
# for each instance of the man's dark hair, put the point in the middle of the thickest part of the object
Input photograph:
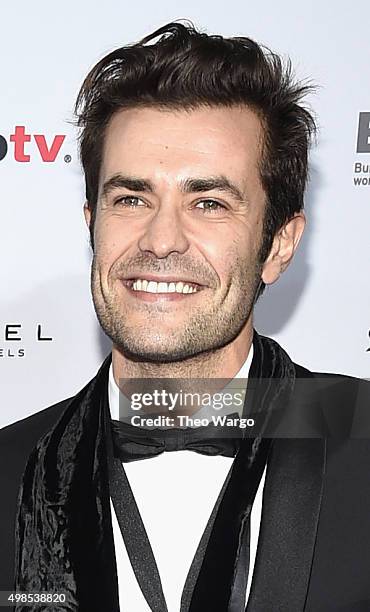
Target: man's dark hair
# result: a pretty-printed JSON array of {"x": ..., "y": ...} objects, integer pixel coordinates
[{"x": 187, "y": 69}]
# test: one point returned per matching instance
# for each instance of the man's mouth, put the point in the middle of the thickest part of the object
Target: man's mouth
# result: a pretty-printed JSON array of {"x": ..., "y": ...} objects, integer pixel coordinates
[{"x": 160, "y": 286}]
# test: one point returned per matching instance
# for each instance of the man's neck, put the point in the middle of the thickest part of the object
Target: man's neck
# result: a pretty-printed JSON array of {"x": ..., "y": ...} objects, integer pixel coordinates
[{"x": 221, "y": 363}]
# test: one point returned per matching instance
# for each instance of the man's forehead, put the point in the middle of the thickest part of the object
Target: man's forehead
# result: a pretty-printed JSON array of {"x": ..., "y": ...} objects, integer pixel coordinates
[
  {"x": 202, "y": 143},
  {"x": 183, "y": 127}
]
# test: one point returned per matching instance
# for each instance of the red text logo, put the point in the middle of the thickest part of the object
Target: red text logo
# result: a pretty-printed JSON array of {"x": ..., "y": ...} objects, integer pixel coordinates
[{"x": 48, "y": 148}]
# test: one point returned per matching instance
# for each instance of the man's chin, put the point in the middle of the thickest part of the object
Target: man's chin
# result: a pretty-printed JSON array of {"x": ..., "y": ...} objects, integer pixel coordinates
[{"x": 155, "y": 354}]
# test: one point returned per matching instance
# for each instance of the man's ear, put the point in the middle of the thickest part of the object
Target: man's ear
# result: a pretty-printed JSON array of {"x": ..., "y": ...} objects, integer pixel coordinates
[
  {"x": 283, "y": 248},
  {"x": 87, "y": 214}
]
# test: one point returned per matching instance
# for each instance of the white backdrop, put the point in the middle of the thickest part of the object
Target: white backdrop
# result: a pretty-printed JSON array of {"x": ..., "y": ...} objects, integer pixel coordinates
[{"x": 318, "y": 311}]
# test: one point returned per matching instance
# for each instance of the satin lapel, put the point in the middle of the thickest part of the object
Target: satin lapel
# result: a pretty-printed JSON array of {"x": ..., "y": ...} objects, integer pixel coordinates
[
  {"x": 106, "y": 551},
  {"x": 215, "y": 581},
  {"x": 290, "y": 513},
  {"x": 64, "y": 529},
  {"x": 92, "y": 541}
]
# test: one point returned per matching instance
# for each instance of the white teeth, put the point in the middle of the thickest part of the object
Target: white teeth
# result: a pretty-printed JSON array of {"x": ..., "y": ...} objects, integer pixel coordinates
[{"x": 154, "y": 287}]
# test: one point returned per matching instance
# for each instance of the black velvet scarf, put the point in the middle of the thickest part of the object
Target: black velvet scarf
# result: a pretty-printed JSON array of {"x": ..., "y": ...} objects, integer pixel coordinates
[{"x": 64, "y": 537}]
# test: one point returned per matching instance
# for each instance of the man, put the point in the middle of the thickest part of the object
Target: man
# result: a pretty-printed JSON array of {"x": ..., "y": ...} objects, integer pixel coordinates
[{"x": 194, "y": 149}]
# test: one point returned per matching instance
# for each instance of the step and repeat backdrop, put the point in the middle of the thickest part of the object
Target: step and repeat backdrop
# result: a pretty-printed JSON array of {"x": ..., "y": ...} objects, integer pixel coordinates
[{"x": 50, "y": 340}]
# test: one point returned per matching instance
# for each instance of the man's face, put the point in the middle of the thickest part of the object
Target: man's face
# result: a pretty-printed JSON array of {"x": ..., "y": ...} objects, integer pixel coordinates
[{"x": 180, "y": 202}]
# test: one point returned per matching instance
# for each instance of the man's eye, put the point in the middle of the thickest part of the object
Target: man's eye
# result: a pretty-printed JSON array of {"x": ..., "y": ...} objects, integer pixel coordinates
[
  {"x": 209, "y": 206},
  {"x": 128, "y": 202}
]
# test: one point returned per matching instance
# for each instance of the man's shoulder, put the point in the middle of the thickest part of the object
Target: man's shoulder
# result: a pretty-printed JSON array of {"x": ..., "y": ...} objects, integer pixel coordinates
[
  {"x": 304, "y": 371},
  {"x": 344, "y": 401},
  {"x": 17, "y": 442},
  {"x": 20, "y": 437},
  {"x": 333, "y": 384}
]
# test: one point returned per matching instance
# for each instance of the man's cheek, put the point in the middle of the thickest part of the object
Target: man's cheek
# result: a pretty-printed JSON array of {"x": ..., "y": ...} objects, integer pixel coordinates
[{"x": 107, "y": 249}]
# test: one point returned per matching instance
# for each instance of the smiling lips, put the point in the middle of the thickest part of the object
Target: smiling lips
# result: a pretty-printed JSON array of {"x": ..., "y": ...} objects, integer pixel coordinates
[{"x": 162, "y": 287}]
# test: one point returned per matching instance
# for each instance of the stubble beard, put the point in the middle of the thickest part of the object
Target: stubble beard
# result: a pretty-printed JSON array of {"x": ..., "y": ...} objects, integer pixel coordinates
[{"x": 209, "y": 326}]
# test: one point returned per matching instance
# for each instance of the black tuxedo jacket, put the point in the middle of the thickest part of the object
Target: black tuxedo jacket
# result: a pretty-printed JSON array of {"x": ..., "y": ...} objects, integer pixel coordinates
[{"x": 314, "y": 543}]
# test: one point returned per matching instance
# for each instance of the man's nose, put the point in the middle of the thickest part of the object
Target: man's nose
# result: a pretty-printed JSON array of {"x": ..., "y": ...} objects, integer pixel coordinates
[{"x": 164, "y": 233}]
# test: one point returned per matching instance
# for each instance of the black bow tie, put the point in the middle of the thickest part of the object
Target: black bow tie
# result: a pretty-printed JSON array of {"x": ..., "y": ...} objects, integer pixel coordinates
[{"x": 132, "y": 443}]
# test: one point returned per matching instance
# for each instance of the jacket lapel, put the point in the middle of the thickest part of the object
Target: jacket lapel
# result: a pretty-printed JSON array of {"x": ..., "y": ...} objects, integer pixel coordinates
[
  {"x": 91, "y": 538},
  {"x": 290, "y": 513},
  {"x": 219, "y": 553},
  {"x": 64, "y": 535}
]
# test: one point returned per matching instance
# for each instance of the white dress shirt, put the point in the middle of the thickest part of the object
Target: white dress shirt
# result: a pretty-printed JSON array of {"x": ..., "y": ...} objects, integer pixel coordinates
[{"x": 175, "y": 493}]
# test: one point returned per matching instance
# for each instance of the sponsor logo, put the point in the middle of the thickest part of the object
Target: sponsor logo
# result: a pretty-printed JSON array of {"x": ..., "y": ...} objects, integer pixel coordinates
[
  {"x": 46, "y": 148},
  {"x": 13, "y": 333},
  {"x": 363, "y": 133},
  {"x": 361, "y": 170}
]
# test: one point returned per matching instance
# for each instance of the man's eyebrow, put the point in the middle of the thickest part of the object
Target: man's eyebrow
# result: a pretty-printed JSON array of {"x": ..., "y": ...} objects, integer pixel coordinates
[
  {"x": 218, "y": 183},
  {"x": 189, "y": 185},
  {"x": 120, "y": 181}
]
